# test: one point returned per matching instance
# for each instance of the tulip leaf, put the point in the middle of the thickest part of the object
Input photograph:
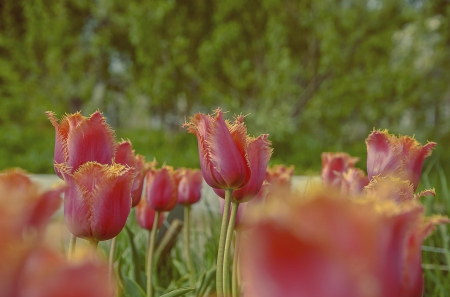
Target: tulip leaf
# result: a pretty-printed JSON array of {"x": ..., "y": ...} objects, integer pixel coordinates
[
  {"x": 135, "y": 272},
  {"x": 180, "y": 266},
  {"x": 178, "y": 292},
  {"x": 132, "y": 289},
  {"x": 208, "y": 277}
]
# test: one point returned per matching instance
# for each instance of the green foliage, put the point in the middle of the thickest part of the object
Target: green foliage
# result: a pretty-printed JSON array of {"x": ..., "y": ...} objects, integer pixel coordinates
[{"x": 316, "y": 75}]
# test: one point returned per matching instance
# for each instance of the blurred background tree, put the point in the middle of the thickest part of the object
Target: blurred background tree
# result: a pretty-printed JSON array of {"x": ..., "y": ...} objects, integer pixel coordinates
[{"x": 317, "y": 75}]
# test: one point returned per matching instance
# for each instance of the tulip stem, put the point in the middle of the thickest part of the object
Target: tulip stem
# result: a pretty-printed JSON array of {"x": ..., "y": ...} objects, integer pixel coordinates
[
  {"x": 150, "y": 248},
  {"x": 221, "y": 249},
  {"x": 187, "y": 252},
  {"x": 94, "y": 243},
  {"x": 72, "y": 245},
  {"x": 111, "y": 258},
  {"x": 234, "y": 277},
  {"x": 226, "y": 256}
]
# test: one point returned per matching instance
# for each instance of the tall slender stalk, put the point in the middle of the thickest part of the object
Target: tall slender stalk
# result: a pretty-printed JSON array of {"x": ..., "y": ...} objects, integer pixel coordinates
[
  {"x": 150, "y": 248},
  {"x": 226, "y": 256},
  {"x": 111, "y": 259},
  {"x": 221, "y": 250},
  {"x": 94, "y": 243},
  {"x": 234, "y": 277},
  {"x": 187, "y": 251},
  {"x": 72, "y": 245}
]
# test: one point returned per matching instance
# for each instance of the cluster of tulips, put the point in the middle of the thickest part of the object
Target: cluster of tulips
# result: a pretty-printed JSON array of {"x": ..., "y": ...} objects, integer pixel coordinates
[{"x": 352, "y": 234}]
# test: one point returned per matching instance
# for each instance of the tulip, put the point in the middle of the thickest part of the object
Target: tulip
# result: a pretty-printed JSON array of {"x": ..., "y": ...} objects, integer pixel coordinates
[
  {"x": 222, "y": 148},
  {"x": 280, "y": 175},
  {"x": 145, "y": 215},
  {"x": 161, "y": 189},
  {"x": 25, "y": 211},
  {"x": 339, "y": 247},
  {"x": 161, "y": 195},
  {"x": 353, "y": 181},
  {"x": 97, "y": 200},
  {"x": 401, "y": 156},
  {"x": 47, "y": 274},
  {"x": 333, "y": 164},
  {"x": 393, "y": 188},
  {"x": 80, "y": 139},
  {"x": 125, "y": 155},
  {"x": 259, "y": 153},
  {"x": 190, "y": 186}
]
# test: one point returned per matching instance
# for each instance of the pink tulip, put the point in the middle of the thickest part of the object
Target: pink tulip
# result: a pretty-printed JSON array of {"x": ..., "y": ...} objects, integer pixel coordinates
[
  {"x": 395, "y": 189},
  {"x": 353, "y": 181},
  {"x": 161, "y": 189},
  {"x": 97, "y": 200},
  {"x": 259, "y": 153},
  {"x": 222, "y": 148},
  {"x": 190, "y": 186},
  {"x": 125, "y": 155},
  {"x": 46, "y": 273},
  {"x": 145, "y": 215},
  {"x": 280, "y": 175},
  {"x": 334, "y": 164},
  {"x": 79, "y": 140},
  {"x": 400, "y": 157},
  {"x": 326, "y": 245}
]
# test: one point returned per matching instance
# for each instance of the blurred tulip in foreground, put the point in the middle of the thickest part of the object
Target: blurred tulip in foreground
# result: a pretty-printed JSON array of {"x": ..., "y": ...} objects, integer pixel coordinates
[
  {"x": 80, "y": 139},
  {"x": 222, "y": 149},
  {"x": 327, "y": 245},
  {"x": 400, "y": 157},
  {"x": 145, "y": 215},
  {"x": 161, "y": 189},
  {"x": 190, "y": 186},
  {"x": 97, "y": 200},
  {"x": 259, "y": 153},
  {"x": 125, "y": 155}
]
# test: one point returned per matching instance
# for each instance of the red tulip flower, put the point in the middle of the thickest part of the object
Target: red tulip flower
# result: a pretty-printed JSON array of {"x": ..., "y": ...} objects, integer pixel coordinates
[
  {"x": 190, "y": 186},
  {"x": 80, "y": 139},
  {"x": 161, "y": 189},
  {"x": 323, "y": 245},
  {"x": 145, "y": 215},
  {"x": 259, "y": 153},
  {"x": 400, "y": 157},
  {"x": 97, "y": 200},
  {"x": 125, "y": 155},
  {"x": 333, "y": 164},
  {"x": 353, "y": 181},
  {"x": 222, "y": 148}
]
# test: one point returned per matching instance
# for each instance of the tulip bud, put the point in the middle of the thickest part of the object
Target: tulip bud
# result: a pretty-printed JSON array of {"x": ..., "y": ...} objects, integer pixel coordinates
[
  {"x": 190, "y": 186},
  {"x": 222, "y": 148},
  {"x": 145, "y": 215},
  {"x": 125, "y": 155},
  {"x": 161, "y": 189}
]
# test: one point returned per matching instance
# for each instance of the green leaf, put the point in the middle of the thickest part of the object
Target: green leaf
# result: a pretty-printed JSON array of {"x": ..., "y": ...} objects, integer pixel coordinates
[
  {"x": 135, "y": 271},
  {"x": 209, "y": 276},
  {"x": 178, "y": 292},
  {"x": 132, "y": 289},
  {"x": 180, "y": 266}
]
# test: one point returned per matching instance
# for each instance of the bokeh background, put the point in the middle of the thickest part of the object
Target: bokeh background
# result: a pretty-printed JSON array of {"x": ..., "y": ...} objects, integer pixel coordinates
[{"x": 317, "y": 75}]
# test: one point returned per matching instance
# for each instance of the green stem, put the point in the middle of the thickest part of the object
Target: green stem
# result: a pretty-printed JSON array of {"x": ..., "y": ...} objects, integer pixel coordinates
[
  {"x": 187, "y": 253},
  {"x": 226, "y": 257},
  {"x": 221, "y": 249},
  {"x": 150, "y": 248},
  {"x": 94, "y": 243},
  {"x": 234, "y": 278},
  {"x": 72, "y": 245},
  {"x": 111, "y": 259}
]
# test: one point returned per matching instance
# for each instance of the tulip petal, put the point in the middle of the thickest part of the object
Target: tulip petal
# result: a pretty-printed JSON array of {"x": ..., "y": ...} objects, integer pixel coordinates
[
  {"x": 383, "y": 156},
  {"x": 91, "y": 140},
  {"x": 161, "y": 190},
  {"x": 228, "y": 155}
]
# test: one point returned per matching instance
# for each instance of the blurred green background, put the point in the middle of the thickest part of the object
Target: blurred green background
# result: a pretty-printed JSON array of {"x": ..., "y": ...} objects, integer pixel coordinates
[{"x": 317, "y": 75}]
